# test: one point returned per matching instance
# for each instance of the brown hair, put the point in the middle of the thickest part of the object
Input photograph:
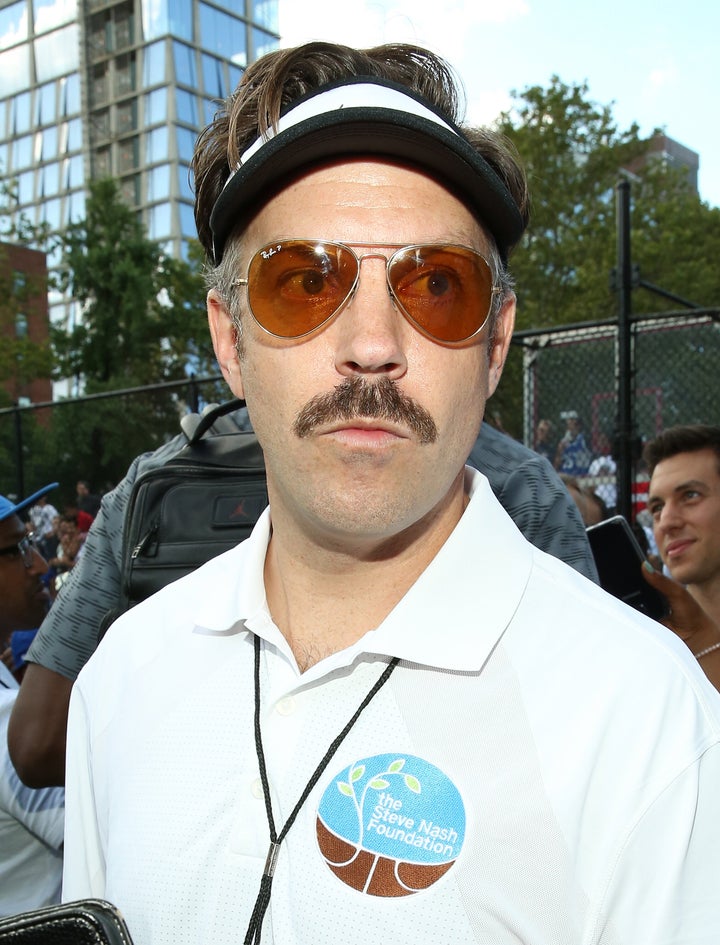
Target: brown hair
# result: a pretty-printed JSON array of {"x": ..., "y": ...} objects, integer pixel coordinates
[
  {"x": 682, "y": 439},
  {"x": 281, "y": 77}
]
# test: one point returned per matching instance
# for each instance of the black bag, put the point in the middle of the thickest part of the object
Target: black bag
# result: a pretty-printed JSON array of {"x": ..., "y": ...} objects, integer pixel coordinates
[
  {"x": 85, "y": 922},
  {"x": 200, "y": 503}
]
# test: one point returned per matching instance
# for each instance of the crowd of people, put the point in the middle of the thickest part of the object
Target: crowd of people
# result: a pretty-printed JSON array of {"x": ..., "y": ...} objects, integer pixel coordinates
[{"x": 406, "y": 685}]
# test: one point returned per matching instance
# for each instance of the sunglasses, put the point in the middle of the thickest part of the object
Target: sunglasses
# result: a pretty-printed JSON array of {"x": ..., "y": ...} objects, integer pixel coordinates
[
  {"x": 296, "y": 286},
  {"x": 26, "y": 549}
]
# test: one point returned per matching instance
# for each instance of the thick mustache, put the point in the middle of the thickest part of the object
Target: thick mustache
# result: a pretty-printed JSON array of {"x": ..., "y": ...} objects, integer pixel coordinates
[{"x": 356, "y": 397}]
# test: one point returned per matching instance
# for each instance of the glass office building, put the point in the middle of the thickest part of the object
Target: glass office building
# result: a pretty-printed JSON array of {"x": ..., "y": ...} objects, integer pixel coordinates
[{"x": 95, "y": 88}]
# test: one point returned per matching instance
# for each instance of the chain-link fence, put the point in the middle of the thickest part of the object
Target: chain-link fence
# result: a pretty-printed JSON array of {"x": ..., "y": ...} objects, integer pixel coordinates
[
  {"x": 94, "y": 437},
  {"x": 571, "y": 382}
]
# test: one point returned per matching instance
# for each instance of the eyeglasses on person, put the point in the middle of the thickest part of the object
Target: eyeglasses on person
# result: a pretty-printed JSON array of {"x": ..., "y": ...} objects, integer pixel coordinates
[
  {"x": 297, "y": 285},
  {"x": 26, "y": 549}
]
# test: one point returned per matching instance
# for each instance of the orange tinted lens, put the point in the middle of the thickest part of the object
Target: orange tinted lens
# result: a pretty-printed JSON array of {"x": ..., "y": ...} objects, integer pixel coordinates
[
  {"x": 296, "y": 285},
  {"x": 445, "y": 290}
]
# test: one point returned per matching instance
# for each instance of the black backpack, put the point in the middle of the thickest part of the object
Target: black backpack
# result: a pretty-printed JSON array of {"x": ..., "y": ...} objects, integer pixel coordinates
[{"x": 203, "y": 501}]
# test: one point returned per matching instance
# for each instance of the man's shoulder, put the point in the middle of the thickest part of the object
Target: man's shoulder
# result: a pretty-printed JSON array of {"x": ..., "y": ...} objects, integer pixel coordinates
[{"x": 494, "y": 449}]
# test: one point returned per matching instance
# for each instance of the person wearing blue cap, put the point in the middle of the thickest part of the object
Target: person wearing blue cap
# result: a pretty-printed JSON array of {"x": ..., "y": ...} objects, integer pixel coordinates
[
  {"x": 385, "y": 716},
  {"x": 24, "y": 599},
  {"x": 31, "y": 821}
]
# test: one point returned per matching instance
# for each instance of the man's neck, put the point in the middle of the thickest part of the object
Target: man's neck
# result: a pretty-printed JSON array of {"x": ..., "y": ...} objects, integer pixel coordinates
[
  {"x": 325, "y": 597},
  {"x": 707, "y": 595}
]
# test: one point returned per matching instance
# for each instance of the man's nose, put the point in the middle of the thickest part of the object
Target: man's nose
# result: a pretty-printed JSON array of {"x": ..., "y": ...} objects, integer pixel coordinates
[{"x": 373, "y": 335}]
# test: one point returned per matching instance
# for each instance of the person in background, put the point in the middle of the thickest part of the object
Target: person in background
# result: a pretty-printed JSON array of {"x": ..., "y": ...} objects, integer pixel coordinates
[
  {"x": 684, "y": 502},
  {"x": 573, "y": 456},
  {"x": 385, "y": 716},
  {"x": 42, "y": 518},
  {"x": 87, "y": 501},
  {"x": 31, "y": 822},
  {"x": 543, "y": 440}
]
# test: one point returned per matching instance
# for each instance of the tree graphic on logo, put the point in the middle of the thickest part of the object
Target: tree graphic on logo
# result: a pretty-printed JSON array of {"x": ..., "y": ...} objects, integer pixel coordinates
[{"x": 377, "y": 782}]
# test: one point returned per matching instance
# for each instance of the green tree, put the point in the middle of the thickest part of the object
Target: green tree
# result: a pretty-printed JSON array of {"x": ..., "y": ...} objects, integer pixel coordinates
[
  {"x": 143, "y": 322},
  {"x": 575, "y": 154},
  {"x": 143, "y": 313}
]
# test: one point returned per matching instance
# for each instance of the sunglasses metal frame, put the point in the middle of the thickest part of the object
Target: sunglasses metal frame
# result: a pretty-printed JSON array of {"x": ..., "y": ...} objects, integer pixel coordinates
[
  {"x": 396, "y": 248},
  {"x": 26, "y": 549}
]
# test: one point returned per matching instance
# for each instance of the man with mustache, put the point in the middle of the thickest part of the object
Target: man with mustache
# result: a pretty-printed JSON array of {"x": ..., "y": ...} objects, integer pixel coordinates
[{"x": 385, "y": 716}]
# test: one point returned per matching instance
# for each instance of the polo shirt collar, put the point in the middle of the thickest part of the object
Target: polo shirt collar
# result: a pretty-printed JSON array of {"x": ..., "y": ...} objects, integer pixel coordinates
[{"x": 451, "y": 618}]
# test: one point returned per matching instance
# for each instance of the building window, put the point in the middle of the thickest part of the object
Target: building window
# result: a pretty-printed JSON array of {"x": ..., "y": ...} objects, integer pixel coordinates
[
  {"x": 163, "y": 17},
  {"x": 99, "y": 84},
  {"x": 187, "y": 220},
  {"x": 130, "y": 190},
  {"x": 123, "y": 30},
  {"x": 184, "y": 58},
  {"x": 223, "y": 34},
  {"x": 20, "y": 120},
  {"x": 263, "y": 43},
  {"x": 159, "y": 221},
  {"x": 49, "y": 144},
  {"x": 185, "y": 143},
  {"x": 158, "y": 183},
  {"x": 57, "y": 53},
  {"x": 265, "y": 12},
  {"x": 45, "y": 111},
  {"x": 156, "y": 107},
  {"x": 154, "y": 65},
  {"x": 21, "y": 325},
  {"x": 101, "y": 161},
  {"x": 186, "y": 107},
  {"x": 16, "y": 69},
  {"x": 75, "y": 134},
  {"x": 13, "y": 24},
  {"x": 26, "y": 183},
  {"x": 213, "y": 76},
  {"x": 128, "y": 155},
  {"x": 124, "y": 75},
  {"x": 70, "y": 95},
  {"x": 22, "y": 152},
  {"x": 184, "y": 186},
  {"x": 100, "y": 125},
  {"x": 126, "y": 116},
  {"x": 51, "y": 13},
  {"x": 156, "y": 145}
]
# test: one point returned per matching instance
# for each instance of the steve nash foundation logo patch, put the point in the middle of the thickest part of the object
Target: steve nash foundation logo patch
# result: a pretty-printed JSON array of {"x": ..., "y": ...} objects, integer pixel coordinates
[{"x": 390, "y": 825}]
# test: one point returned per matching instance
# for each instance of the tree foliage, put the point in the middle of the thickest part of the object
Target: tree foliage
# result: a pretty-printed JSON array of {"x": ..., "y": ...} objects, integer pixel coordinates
[
  {"x": 575, "y": 155},
  {"x": 143, "y": 315}
]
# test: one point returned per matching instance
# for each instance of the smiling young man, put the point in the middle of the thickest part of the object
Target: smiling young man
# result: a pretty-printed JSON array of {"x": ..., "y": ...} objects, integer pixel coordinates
[
  {"x": 385, "y": 716},
  {"x": 684, "y": 501}
]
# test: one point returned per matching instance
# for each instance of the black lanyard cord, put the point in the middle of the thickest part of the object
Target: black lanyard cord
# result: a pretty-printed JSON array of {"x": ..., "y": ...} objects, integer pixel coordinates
[{"x": 252, "y": 936}]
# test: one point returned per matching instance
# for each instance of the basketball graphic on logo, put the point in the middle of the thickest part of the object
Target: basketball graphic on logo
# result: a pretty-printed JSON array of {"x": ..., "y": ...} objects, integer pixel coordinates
[{"x": 390, "y": 825}]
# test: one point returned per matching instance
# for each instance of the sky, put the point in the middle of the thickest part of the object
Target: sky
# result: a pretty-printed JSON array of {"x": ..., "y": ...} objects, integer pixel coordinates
[{"x": 655, "y": 62}]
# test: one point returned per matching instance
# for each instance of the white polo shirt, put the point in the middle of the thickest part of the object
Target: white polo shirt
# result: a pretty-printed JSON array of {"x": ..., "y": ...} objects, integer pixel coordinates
[
  {"x": 31, "y": 832},
  {"x": 543, "y": 766}
]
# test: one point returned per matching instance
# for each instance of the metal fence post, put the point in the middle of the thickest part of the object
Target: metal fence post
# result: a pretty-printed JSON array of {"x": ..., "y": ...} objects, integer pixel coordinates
[{"x": 625, "y": 431}]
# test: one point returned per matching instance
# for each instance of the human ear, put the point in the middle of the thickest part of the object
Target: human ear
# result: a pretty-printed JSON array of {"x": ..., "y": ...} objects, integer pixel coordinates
[
  {"x": 500, "y": 341},
  {"x": 223, "y": 332}
]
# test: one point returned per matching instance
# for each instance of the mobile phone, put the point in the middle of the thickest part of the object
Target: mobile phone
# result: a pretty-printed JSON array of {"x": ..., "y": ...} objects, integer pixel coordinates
[{"x": 618, "y": 557}]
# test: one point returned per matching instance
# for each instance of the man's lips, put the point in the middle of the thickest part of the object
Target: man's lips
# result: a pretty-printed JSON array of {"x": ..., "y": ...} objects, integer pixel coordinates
[
  {"x": 365, "y": 429},
  {"x": 674, "y": 549}
]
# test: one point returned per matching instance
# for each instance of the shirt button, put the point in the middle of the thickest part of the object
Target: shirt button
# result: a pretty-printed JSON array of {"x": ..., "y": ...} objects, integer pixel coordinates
[
  {"x": 256, "y": 789},
  {"x": 285, "y": 706}
]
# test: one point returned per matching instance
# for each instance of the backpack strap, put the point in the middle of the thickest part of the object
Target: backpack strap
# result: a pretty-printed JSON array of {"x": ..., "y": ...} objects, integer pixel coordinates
[{"x": 196, "y": 425}]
